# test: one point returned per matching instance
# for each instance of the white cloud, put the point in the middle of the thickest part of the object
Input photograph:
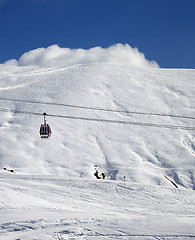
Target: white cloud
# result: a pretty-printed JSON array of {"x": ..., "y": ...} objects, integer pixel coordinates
[
  {"x": 12, "y": 62},
  {"x": 56, "y": 56}
]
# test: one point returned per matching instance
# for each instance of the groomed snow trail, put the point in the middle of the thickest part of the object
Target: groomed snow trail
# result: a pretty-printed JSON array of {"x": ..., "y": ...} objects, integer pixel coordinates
[{"x": 56, "y": 208}]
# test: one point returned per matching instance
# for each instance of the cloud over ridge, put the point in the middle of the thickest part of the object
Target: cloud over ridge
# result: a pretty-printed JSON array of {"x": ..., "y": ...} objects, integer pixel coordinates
[{"x": 57, "y": 56}]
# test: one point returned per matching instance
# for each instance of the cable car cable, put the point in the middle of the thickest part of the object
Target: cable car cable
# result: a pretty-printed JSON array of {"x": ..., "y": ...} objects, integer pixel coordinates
[
  {"x": 100, "y": 109},
  {"x": 106, "y": 120}
]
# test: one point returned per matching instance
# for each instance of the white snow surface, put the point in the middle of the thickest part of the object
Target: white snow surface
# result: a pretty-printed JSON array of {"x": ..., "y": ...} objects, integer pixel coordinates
[{"x": 53, "y": 193}]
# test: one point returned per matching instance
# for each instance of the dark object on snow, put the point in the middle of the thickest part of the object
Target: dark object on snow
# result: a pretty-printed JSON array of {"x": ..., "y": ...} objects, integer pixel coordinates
[
  {"x": 103, "y": 175},
  {"x": 11, "y": 170},
  {"x": 174, "y": 184},
  {"x": 96, "y": 174}
]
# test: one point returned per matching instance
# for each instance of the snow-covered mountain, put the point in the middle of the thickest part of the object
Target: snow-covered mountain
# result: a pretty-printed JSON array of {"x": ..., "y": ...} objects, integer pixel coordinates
[
  {"x": 141, "y": 153},
  {"x": 158, "y": 105}
]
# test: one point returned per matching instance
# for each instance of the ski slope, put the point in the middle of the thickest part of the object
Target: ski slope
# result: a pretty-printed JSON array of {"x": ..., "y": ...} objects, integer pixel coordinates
[
  {"x": 53, "y": 193},
  {"x": 56, "y": 208}
]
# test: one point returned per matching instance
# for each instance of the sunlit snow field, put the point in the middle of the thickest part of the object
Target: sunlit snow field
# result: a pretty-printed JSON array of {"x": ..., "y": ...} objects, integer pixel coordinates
[{"x": 53, "y": 193}]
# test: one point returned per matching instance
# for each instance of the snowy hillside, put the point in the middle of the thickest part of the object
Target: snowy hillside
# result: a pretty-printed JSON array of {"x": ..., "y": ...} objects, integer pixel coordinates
[
  {"x": 141, "y": 153},
  {"x": 54, "y": 177}
]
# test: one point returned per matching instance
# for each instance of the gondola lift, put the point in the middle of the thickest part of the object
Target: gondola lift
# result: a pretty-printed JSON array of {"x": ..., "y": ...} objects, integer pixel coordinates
[{"x": 45, "y": 130}]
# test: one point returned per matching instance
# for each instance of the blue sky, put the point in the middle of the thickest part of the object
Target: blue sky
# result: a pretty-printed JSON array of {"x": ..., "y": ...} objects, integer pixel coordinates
[{"x": 164, "y": 30}]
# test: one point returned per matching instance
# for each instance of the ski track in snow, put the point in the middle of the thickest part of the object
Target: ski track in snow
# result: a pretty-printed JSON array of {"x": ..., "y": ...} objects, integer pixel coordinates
[
  {"x": 85, "y": 209},
  {"x": 78, "y": 229}
]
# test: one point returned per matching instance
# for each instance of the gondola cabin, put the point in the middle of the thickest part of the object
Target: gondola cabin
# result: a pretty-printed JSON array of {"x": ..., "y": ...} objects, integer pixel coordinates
[{"x": 45, "y": 130}]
